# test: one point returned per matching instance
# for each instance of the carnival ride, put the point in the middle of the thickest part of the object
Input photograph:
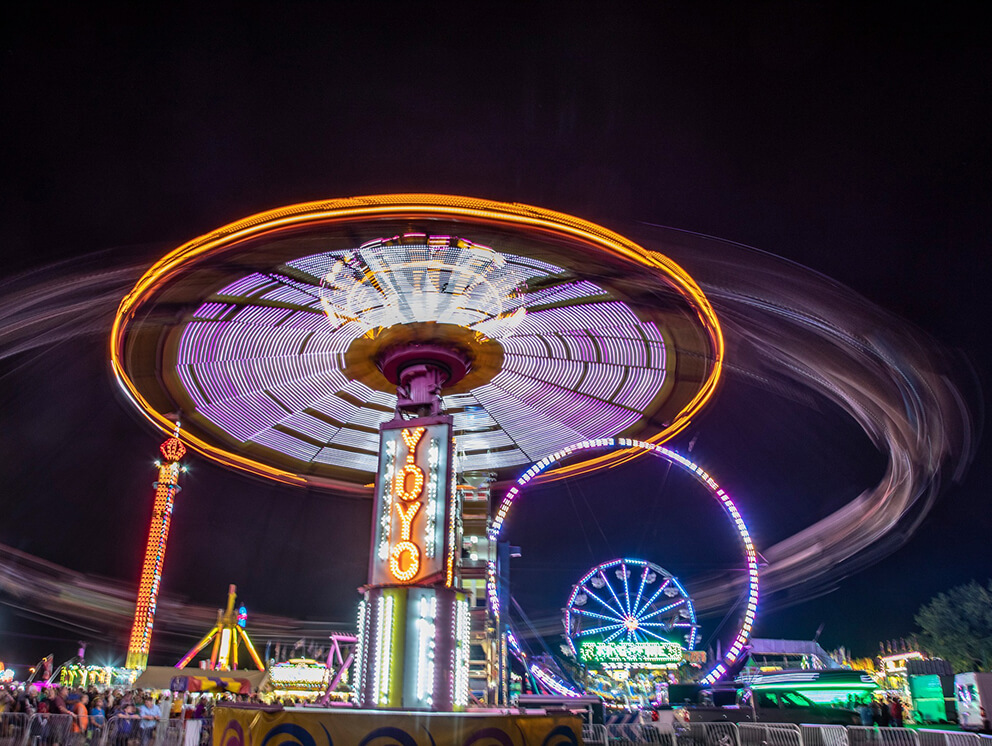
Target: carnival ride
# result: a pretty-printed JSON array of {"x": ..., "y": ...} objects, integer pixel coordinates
[
  {"x": 551, "y": 678},
  {"x": 326, "y": 342},
  {"x": 567, "y": 331},
  {"x": 226, "y": 635},
  {"x": 799, "y": 341},
  {"x": 166, "y": 489},
  {"x": 629, "y": 622},
  {"x": 636, "y": 602}
]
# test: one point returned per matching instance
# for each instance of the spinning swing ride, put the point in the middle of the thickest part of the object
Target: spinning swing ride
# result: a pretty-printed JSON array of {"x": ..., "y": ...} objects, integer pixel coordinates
[{"x": 417, "y": 340}]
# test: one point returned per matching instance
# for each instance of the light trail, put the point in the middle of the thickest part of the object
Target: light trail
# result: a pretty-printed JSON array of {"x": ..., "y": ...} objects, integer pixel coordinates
[{"x": 787, "y": 328}]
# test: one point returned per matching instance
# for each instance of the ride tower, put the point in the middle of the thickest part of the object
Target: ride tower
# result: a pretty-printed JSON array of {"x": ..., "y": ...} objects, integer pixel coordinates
[
  {"x": 166, "y": 489},
  {"x": 414, "y": 626}
]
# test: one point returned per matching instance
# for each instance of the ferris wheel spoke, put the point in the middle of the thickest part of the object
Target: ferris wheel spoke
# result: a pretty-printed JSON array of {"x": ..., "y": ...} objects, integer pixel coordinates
[
  {"x": 594, "y": 630},
  {"x": 618, "y": 614},
  {"x": 615, "y": 635},
  {"x": 663, "y": 609},
  {"x": 640, "y": 589},
  {"x": 626, "y": 588},
  {"x": 657, "y": 593},
  {"x": 654, "y": 635},
  {"x": 586, "y": 612},
  {"x": 612, "y": 591}
]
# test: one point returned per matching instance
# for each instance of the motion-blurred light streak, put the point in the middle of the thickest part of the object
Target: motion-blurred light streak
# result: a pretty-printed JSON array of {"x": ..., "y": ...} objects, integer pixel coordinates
[
  {"x": 799, "y": 330},
  {"x": 788, "y": 329}
]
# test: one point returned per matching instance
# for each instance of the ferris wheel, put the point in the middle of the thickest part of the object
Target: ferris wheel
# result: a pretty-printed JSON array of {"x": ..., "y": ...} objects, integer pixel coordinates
[{"x": 629, "y": 601}]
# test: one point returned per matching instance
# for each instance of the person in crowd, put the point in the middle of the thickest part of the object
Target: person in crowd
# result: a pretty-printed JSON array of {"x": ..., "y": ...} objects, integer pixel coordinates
[
  {"x": 123, "y": 701},
  {"x": 150, "y": 715},
  {"x": 81, "y": 724},
  {"x": 896, "y": 712},
  {"x": 57, "y": 705},
  {"x": 865, "y": 712},
  {"x": 27, "y": 700},
  {"x": 126, "y": 722},
  {"x": 98, "y": 716},
  {"x": 880, "y": 711}
]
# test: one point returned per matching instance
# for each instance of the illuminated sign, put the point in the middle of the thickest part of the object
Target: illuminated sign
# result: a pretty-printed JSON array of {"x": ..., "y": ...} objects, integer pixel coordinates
[
  {"x": 300, "y": 674},
  {"x": 631, "y": 654},
  {"x": 413, "y": 503}
]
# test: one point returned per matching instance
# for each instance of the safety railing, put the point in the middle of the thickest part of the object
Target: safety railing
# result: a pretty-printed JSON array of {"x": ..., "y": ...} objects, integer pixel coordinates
[
  {"x": 125, "y": 730},
  {"x": 635, "y": 734},
  {"x": 871, "y": 735},
  {"x": 823, "y": 735},
  {"x": 44, "y": 729},
  {"x": 594, "y": 735},
  {"x": 930, "y": 737},
  {"x": 12, "y": 727},
  {"x": 769, "y": 734},
  {"x": 708, "y": 734},
  {"x": 170, "y": 732}
]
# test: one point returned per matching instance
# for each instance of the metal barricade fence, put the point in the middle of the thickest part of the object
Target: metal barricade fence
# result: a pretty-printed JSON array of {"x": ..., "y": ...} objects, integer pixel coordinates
[
  {"x": 44, "y": 729},
  {"x": 873, "y": 735},
  {"x": 639, "y": 734},
  {"x": 930, "y": 737},
  {"x": 12, "y": 727},
  {"x": 823, "y": 735},
  {"x": 170, "y": 732},
  {"x": 594, "y": 735},
  {"x": 769, "y": 734},
  {"x": 708, "y": 734},
  {"x": 623, "y": 734},
  {"x": 127, "y": 731},
  {"x": 663, "y": 733},
  {"x": 122, "y": 730}
]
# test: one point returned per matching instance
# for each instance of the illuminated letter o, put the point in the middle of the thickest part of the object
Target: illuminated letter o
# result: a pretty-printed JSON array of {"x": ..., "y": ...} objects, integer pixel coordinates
[
  {"x": 394, "y": 561},
  {"x": 400, "y": 482}
]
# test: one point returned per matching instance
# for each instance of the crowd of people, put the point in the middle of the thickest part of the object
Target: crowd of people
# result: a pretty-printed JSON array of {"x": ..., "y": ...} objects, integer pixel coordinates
[
  {"x": 135, "y": 713},
  {"x": 889, "y": 711}
]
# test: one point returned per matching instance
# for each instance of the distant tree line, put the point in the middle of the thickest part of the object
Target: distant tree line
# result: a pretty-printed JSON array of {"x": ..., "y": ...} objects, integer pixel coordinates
[{"x": 957, "y": 626}]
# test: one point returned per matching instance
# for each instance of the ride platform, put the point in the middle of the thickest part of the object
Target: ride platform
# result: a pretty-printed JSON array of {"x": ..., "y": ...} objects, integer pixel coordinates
[{"x": 247, "y": 725}]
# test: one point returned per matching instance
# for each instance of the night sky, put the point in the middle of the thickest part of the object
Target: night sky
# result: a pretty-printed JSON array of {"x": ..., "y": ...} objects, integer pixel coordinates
[{"x": 853, "y": 141}]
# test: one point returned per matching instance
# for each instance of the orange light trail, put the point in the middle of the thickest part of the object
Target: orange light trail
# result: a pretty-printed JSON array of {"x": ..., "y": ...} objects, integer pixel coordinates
[{"x": 411, "y": 206}]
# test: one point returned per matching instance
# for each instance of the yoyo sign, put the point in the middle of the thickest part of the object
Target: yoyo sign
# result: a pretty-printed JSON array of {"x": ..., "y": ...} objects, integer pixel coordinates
[{"x": 413, "y": 503}]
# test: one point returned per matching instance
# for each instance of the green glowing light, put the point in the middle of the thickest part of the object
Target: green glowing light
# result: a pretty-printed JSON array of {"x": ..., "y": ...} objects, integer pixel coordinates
[{"x": 632, "y": 653}]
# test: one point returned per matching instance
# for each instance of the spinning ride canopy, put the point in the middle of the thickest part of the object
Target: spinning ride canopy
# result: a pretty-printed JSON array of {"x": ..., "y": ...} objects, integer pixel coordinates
[{"x": 270, "y": 338}]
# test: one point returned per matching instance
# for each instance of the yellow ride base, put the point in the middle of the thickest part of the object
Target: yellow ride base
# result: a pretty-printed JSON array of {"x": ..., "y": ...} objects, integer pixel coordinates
[{"x": 244, "y": 726}]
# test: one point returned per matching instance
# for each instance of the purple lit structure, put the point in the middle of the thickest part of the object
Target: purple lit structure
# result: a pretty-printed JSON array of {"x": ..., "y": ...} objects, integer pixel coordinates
[
  {"x": 266, "y": 366},
  {"x": 323, "y": 343},
  {"x": 547, "y": 677}
]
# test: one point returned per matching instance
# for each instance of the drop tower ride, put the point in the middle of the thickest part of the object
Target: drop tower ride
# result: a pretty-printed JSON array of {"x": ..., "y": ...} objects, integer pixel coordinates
[{"x": 166, "y": 489}]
